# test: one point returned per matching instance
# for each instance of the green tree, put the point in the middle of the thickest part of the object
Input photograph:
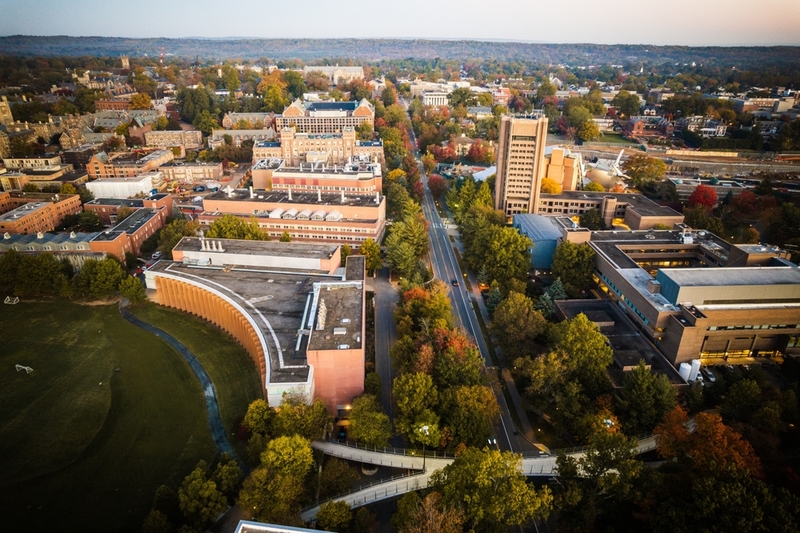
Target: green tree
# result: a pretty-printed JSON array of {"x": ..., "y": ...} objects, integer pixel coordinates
[
  {"x": 132, "y": 289},
  {"x": 68, "y": 188},
  {"x": 591, "y": 219},
  {"x": 157, "y": 522},
  {"x": 574, "y": 264},
  {"x": 516, "y": 324},
  {"x": 626, "y": 103},
  {"x": 402, "y": 258},
  {"x": 594, "y": 187},
  {"x": 228, "y": 476},
  {"x": 295, "y": 416},
  {"x": 173, "y": 232},
  {"x": 335, "y": 516},
  {"x": 644, "y": 400},
  {"x": 274, "y": 101},
  {"x": 588, "y": 351},
  {"x": 89, "y": 221},
  {"x": 643, "y": 170},
  {"x": 491, "y": 491},
  {"x": 205, "y": 122},
  {"x": 123, "y": 213},
  {"x": 470, "y": 413},
  {"x": 289, "y": 456},
  {"x": 200, "y": 501},
  {"x": 336, "y": 477},
  {"x": 285, "y": 237},
  {"x": 462, "y": 97},
  {"x": 416, "y": 396},
  {"x": 372, "y": 255},
  {"x": 232, "y": 227},
  {"x": 369, "y": 425}
]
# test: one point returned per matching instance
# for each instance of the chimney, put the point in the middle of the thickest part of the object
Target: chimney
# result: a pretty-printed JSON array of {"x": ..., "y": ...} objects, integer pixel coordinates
[
  {"x": 319, "y": 196},
  {"x": 342, "y": 195},
  {"x": 251, "y": 192},
  {"x": 290, "y": 194},
  {"x": 377, "y": 197}
]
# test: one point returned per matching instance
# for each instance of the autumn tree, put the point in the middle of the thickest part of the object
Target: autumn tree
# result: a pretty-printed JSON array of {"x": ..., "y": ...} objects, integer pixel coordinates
[
  {"x": 470, "y": 413},
  {"x": 588, "y": 131},
  {"x": 550, "y": 186},
  {"x": 594, "y": 187},
  {"x": 259, "y": 419},
  {"x": 141, "y": 101},
  {"x": 643, "y": 170},
  {"x": 372, "y": 255},
  {"x": 437, "y": 185},
  {"x": 334, "y": 516},
  {"x": 489, "y": 488},
  {"x": 704, "y": 196},
  {"x": 428, "y": 515}
]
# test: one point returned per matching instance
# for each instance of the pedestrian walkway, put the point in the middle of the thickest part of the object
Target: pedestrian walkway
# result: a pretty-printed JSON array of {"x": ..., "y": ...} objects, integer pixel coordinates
[{"x": 214, "y": 421}]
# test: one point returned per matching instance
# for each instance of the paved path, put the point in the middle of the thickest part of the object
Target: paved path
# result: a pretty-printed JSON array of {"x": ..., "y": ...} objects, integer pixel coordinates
[
  {"x": 214, "y": 421},
  {"x": 385, "y": 301}
]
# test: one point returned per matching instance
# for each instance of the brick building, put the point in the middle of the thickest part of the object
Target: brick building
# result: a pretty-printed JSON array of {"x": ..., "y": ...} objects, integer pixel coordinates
[
  {"x": 126, "y": 164},
  {"x": 325, "y": 117},
  {"x": 354, "y": 177},
  {"x": 30, "y": 212}
]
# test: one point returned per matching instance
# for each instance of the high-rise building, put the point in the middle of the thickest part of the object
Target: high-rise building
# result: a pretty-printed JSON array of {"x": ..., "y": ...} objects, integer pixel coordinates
[{"x": 520, "y": 163}]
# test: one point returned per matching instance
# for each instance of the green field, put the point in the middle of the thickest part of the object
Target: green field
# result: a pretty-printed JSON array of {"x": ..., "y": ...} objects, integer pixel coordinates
[
  {"x": 226, "y": 362},
  {"x": 84, "y": 445}
]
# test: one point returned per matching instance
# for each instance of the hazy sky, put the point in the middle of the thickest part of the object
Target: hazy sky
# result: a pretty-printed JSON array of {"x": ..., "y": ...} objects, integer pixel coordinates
[{"x": 680, "y": 22}]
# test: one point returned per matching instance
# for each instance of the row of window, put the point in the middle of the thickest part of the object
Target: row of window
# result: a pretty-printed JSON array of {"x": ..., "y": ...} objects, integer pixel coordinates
[{"x": 762, "y": 326}]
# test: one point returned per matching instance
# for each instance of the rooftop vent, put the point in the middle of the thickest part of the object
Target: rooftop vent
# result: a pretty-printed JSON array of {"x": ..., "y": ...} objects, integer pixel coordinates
[
  {"x": 340, "y": 331},
  {"x": 322, "y": 313}
]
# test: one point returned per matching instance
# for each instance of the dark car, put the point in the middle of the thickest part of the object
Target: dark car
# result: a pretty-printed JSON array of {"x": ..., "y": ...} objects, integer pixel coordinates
[{"x": 454, "y": 282}]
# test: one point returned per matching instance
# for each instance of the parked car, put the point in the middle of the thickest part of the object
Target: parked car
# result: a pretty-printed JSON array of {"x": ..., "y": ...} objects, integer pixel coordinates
[
  {"x": 156, "y": 255},
  {"x": 199, "y": 188},
  {"x": 708, "y": 374}
]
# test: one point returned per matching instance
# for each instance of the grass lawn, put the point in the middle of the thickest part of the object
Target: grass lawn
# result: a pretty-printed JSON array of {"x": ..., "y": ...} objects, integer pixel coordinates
[
  {"x": 226, "y": 362},
  {"x": 614, "y": 138},
  {"x": 82, "y": 446}
]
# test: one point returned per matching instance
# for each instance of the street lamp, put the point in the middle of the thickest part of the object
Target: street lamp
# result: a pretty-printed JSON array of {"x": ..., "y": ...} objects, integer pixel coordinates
[
  {"x": 493, "y": 442},
  {"x": 424, "y": 429}
]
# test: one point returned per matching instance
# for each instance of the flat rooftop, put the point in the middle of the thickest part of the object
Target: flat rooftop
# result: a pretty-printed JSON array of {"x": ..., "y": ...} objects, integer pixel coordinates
[
  {"x": 130, "y": 225},
  {"x": 119, "y": 202},
  {"x": 641, "y": 204},
  {"x": 281, "y": 249},
  {"x": 241, "y": 195},
  {"x": 23, "y": 211},
  {"x": 282, "y": 305},
  {"x": 732, "y": 276},
  {"x": 609, "y": 243},
  {"x": 625, "y": 339}
]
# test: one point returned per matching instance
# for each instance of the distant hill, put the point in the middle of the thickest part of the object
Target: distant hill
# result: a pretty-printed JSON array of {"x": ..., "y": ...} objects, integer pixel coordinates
[{"x": 378, "y": 49}]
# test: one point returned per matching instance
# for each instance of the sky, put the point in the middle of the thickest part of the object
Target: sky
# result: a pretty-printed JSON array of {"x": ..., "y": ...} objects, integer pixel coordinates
[{"x": 676, "y": 22}]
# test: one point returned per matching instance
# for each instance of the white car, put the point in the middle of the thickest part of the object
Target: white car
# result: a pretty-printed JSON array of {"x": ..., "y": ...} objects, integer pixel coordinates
[{"x": 156, "y": 256}]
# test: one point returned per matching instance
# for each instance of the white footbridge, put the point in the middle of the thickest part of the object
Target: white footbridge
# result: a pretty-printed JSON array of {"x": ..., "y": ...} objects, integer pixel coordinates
[{"x": 538, "y": 465}]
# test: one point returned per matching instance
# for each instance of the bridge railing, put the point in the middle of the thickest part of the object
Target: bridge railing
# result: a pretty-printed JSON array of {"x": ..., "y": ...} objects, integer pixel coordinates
[
  {"x": 407, "y": 452},
  {"x": 360, "y": 488}
]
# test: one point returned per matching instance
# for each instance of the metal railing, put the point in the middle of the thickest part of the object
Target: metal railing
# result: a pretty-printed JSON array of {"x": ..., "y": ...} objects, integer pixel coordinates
[
  {"x": 373, "y": 484},
  {"x": 406, "y": 452}
]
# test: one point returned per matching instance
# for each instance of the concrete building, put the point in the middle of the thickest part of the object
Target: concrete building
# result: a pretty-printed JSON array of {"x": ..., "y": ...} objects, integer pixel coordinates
[
  {"x": 684, "y": 187},
  {"x": 563, "y": 166},
  {"x": 634, "y": 210},
  {"x": 247, "y": 526},
  {"x": 126, "y": 164},
  {"x": 325, "y": 117},
  {"x": 217, "y": 137},
  {"x": 5, "y": 112},
  {"x": 435, "y": 98},
  {"x": 336, "y": 74},
  {"x": 695, "y": 295},
  {"x": 125, "y": 187},
  {"x": 305, "y": 216},
  {"x": 545, "y": 234},
  {"x": 255, "y": 120},
  {"x": 357, "y": 176},
  {"x": 17, "y": 163},
  {"x": 31, "y": 212},
  {"x": 329, "y": 148},
  {"x": 195, "y": 172},
  {"x": 106, "y": 208},
  {"x": 520, "y": 163},
  {"x": 43, "y": 178},
  {"x": 303, "y": 326}
]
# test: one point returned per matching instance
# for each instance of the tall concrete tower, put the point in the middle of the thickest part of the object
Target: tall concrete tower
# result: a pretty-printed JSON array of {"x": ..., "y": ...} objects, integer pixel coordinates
[{"x": 520, "y": 163}]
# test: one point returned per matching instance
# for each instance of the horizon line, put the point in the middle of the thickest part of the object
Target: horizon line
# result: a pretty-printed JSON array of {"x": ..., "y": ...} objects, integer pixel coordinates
[{"x": 453, "y": 39}]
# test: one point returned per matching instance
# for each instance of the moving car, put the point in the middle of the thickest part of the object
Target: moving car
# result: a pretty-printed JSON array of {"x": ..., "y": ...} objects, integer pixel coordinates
[{"x": 454, "y": 282}]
